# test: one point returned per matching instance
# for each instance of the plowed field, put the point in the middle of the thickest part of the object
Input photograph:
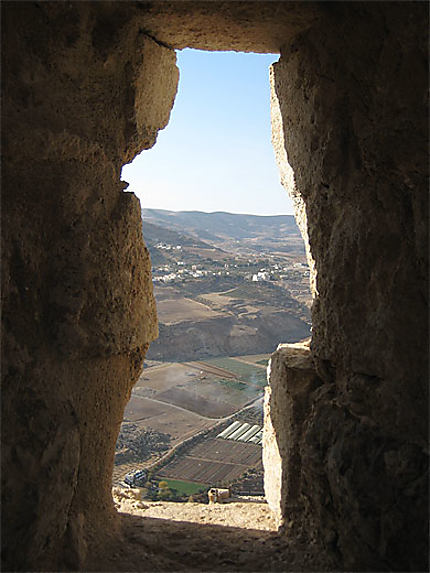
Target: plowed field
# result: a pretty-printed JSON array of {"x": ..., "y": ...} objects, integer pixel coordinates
[
  {"x": 249, "y": 373},
  {"x": 214, "y": 461},
  {"x": 196, "y": 470},
  {"x": 180, "y": 424},
  {"x": 196, "y": 403},
  {"x": 183, "y": 310},
  {"x": 228, "y": 451}
]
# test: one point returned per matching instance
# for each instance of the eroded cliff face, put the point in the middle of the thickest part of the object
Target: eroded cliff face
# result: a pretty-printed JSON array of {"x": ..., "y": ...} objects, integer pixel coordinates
[
  {"x": 82, "y": 97},
  {"x": 352, "y": 97}
]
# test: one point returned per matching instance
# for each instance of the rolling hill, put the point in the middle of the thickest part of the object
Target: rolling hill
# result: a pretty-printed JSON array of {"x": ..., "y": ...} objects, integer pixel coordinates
[
  {"x": 206, "y": 269},
  {"x": 230, "y": 231}
]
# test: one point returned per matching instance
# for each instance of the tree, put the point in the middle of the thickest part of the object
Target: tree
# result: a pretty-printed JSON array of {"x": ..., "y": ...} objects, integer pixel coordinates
[{"x": 165, "y": 493}]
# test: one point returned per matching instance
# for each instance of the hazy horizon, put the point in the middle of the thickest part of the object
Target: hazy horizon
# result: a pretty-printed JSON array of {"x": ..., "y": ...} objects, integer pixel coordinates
[
  {"x": 215, "y": 155},
  {"x": 214, "y": 212}
]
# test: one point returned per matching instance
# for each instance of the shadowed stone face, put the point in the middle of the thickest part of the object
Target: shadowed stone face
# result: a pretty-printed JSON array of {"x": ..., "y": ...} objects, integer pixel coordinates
[
  {"x": 78, "y": 309},
  {"x": 350, "y": 149},
  {"x": 86, "y": 87}
]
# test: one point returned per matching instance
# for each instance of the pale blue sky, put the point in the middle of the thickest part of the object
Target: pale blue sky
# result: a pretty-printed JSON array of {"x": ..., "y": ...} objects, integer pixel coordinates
[{"x": 215, "y": 154}]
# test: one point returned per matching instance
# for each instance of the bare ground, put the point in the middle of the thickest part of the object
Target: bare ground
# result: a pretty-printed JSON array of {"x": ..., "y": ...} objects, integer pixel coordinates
[{"x": 168, "y": 537}]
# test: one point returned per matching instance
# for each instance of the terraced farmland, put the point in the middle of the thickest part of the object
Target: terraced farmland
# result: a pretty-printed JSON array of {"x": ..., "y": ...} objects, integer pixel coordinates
[{"x": 183, "y": 309}]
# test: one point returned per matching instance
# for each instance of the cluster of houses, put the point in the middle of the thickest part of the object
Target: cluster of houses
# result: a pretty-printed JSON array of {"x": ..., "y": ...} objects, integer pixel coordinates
[
  {"x": 275, "y": 272},
  {"x": 166, "y": 247},
  {"x": 261, "y": 276},
  {"x": 182, "y": 274},
  {"x": 178, "y": 271}
]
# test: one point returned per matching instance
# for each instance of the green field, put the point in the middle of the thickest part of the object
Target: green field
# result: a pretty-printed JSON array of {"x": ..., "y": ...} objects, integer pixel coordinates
[
  {"x": 230, "y": 391},
  {"x": 246, "y": 372},
  {"x": 232, "y": 384},
  {"x": 184, "y": 487}
]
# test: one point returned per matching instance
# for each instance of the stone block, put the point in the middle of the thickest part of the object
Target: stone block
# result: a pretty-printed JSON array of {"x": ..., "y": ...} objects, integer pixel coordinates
[{"x": 288, "y": 398}]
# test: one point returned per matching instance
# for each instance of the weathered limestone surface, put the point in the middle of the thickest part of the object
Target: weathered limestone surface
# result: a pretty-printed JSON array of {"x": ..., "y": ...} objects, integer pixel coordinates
[
  {"x": 256, "y": 26},
  {"x": 287, "y": 178},
  {"x": 85, "y": 92},
  {"x": 292, "y": 379},
  {"x": 352, "y": 97}
]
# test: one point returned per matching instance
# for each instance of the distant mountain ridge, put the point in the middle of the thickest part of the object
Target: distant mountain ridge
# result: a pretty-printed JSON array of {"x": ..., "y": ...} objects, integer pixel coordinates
[{"x": 221, "y": 226}]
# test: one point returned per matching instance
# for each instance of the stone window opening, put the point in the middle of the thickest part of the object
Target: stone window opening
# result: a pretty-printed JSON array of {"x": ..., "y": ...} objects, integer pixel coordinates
[{"x": 287, "y": 182}]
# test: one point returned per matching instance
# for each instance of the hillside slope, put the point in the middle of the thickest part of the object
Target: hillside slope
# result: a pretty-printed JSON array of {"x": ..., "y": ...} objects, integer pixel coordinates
[
  {"x": 220, "y": 224},
  {"x": 231, "y": 231},
  {"x": 225, "y": 284}
]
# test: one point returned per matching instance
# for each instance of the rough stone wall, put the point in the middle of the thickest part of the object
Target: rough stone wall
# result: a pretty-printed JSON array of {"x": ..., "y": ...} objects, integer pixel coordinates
[
  {"x": 352, "y": 96},
  {"x": 255, "y": 26},
  {"x": 288, "y": 180},
  {"x": 85, "y": 91}
]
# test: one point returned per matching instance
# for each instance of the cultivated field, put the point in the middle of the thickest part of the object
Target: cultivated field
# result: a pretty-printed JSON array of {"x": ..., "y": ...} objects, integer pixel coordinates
[
  {"x": 172, "y": 311},
  {"x": 217, "y": 449},
  {"x": 192, "y": 400},
  {"x": 185, "y": 487},
  {"x": 202, "y": 471},
  {"x": 165, "y": 418},
  {"x": 246, "y": 372},
  {"x": 214, "y": 461},
  {"x": 161, "y": 378},
  {"x": 182, "y": 399},
  {"x": 230, "y": 391},
  {"x": 199, "y": 387},
  {"x": 259, "y": 360},
  {"x": 206, "y": 368}
]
